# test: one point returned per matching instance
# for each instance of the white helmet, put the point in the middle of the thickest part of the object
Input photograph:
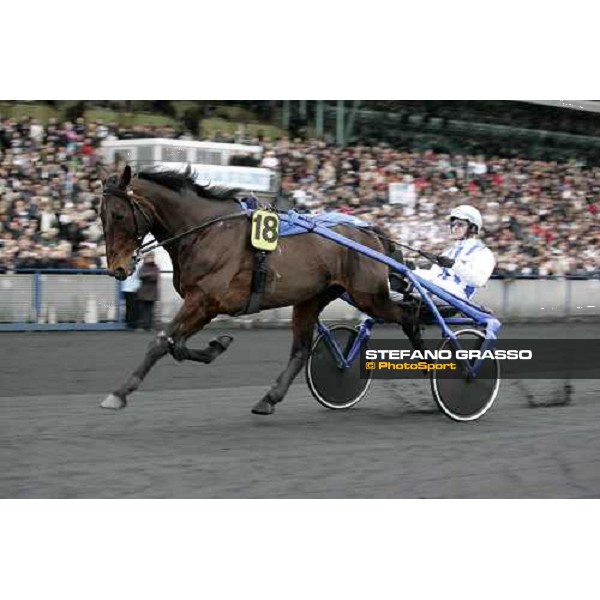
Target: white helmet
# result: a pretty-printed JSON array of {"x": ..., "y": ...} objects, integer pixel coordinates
[{"x": 468, "y": 213}]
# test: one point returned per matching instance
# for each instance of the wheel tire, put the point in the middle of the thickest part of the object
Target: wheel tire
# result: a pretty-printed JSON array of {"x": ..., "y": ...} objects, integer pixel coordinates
[
  {"x": 331, "y": 386},
  {"x": 462, "y": 399}
]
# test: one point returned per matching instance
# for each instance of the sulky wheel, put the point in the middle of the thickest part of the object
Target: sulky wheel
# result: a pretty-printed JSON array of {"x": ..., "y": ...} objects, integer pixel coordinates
[
  {"x": 463, "y": 398},
  {"x": 332, "y": 386}
]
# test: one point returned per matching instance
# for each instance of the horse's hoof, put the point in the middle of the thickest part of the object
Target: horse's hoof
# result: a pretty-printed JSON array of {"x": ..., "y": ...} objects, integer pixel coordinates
[
  {"x": 222, "y": 342},
  {"x": 264, "y": 407},
  {"x": 113, "y": 402},
  {"x": 180, "y": 353}
]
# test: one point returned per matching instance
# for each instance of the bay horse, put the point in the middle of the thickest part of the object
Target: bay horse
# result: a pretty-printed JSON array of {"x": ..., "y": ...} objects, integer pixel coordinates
[{"x": 213, "y": 266}]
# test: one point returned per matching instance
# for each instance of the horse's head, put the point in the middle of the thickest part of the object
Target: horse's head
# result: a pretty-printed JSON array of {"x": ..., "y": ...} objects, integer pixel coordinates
[{"x": 125, "y": 223}]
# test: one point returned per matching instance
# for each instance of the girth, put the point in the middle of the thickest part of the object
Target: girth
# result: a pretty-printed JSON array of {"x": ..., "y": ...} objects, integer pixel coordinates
[{"x": 257, "y": 286}]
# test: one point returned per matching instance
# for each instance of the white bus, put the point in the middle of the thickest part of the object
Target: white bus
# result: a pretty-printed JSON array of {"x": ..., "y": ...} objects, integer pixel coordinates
[{"x": 210, "y": 160}]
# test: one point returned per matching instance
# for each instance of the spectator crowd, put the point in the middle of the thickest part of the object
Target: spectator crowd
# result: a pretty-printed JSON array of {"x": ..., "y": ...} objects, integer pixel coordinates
[
  {"x": 541, "y": 218},
  {"x": 523, "y": 115},
  {"x": 49, "y": 191}
]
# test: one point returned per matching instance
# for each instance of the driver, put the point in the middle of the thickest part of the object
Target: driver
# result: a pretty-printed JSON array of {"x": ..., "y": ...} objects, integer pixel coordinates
[{"x": 467, "y": 265}]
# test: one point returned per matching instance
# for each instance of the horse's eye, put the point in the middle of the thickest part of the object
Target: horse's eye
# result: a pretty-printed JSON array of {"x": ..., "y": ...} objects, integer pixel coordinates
[{"x": 119, "y": 216}]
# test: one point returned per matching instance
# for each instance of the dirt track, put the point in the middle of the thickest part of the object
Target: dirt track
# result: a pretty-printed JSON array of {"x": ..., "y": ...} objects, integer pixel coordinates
[{"x": 189, "y": 431}]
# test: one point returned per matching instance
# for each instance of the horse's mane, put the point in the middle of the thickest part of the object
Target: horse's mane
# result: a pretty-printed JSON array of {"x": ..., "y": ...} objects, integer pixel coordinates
[{"x": 179, "y": 182}]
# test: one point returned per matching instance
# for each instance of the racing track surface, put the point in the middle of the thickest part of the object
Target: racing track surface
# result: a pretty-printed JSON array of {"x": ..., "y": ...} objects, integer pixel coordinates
[{"x": 189, "y": 431}]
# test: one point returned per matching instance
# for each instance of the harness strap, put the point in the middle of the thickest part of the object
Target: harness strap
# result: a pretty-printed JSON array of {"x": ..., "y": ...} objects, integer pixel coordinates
[{"x": 257, "y": 287}]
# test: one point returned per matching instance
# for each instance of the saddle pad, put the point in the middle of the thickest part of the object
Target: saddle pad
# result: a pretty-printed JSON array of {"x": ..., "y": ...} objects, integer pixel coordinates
[
  {"x": 332, "y": 219},
  {"x": 287, "y": 221}
]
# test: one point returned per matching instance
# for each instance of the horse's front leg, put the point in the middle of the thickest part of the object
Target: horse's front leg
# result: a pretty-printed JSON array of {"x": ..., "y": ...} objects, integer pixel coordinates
[
  {"x": 192, "y": 317},
  {"x": 206, "y": 355}
]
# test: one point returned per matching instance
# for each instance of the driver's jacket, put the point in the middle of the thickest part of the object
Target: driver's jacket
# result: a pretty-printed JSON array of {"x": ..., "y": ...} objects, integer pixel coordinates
[{"x": 473, "y": 266}]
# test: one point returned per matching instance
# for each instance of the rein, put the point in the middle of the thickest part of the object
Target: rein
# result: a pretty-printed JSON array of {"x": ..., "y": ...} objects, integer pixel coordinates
[
  {"x": 430, "y": 257},
  {"x": 149, "y": 246}
]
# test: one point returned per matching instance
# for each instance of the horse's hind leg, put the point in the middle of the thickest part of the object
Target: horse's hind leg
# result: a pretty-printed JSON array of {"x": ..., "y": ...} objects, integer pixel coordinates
[
  {"x": 191, "y": 317},
  {"x": 304, "y": 319},
  {"x": 303, "y": 323},
  {"x": 379, "y": 306}
]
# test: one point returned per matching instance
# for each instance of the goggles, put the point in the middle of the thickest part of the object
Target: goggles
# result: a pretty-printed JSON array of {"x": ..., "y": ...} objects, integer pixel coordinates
[{"x": 458, "y": 223}]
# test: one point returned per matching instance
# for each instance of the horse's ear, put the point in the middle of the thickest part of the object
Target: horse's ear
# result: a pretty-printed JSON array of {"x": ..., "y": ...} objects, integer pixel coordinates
[
  {"x": 103, "y": 173},
  {"x": 125, "y": 177}
]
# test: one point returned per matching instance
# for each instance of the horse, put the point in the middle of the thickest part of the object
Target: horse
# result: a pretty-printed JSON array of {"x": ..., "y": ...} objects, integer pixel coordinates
[{"x": 207, "y": 235}]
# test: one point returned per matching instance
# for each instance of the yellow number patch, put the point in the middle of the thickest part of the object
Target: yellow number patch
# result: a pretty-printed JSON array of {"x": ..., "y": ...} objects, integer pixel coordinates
[{"x": 265, "y": 230}]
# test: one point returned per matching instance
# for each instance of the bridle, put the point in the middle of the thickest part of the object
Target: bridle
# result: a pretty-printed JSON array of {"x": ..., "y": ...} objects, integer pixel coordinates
[{"x": 136, "y": 208}]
